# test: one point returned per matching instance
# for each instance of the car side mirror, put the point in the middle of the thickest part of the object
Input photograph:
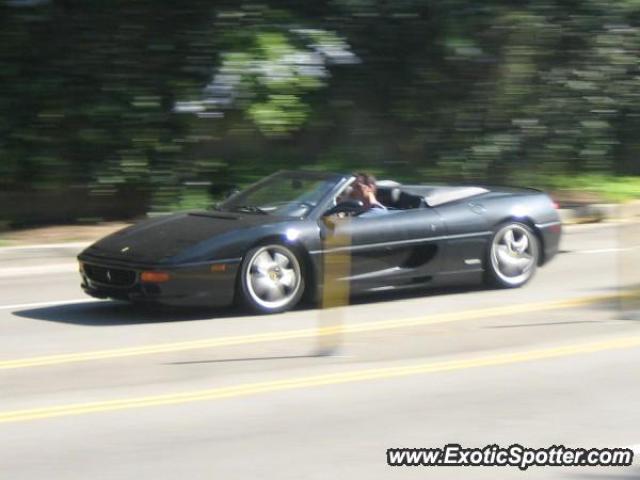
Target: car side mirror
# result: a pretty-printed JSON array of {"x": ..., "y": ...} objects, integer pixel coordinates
[{"x": 347, "y": 207}]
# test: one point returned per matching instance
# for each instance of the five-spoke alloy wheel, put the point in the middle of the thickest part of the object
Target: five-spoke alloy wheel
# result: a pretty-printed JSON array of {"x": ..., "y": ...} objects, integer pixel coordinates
[
  {"x": 513, "y": 255},
  {"x": 271, "y": 279}
]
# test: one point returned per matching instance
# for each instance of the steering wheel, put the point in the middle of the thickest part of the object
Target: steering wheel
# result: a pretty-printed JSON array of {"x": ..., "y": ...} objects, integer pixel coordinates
[{"x": 351, "y": 208}]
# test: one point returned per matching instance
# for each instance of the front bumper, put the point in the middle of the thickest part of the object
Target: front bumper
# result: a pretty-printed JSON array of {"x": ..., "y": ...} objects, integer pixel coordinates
[{"x": 203, "y": 284}]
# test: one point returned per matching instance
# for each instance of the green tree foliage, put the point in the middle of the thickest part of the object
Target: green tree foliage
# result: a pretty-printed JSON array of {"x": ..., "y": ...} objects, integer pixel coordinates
[{"x": 180, "y": 100}]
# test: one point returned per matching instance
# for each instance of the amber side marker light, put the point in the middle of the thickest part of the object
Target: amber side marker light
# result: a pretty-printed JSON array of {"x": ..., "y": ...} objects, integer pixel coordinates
[
  {"x": 218, "y": 267},
  {"x": 154, "y": 277}
]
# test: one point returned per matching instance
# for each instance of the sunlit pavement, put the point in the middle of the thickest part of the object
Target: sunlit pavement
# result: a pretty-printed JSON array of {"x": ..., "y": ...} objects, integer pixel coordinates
[{"x": 96, "y": 389}]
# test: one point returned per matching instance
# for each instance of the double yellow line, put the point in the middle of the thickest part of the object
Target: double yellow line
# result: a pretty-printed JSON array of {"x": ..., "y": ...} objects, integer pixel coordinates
[
  {"x": 314, "y": 381},
  {"x": 303, "y": 333}
]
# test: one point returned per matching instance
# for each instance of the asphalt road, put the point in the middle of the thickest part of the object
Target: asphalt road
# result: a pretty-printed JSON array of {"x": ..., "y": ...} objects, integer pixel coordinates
[{"x": 94, "y": 389}]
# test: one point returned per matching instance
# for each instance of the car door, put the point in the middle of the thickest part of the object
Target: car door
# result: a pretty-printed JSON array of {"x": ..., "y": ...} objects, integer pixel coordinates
[
  {"x": 467, "y": 236},
  {"x": 398, "y": 247}
]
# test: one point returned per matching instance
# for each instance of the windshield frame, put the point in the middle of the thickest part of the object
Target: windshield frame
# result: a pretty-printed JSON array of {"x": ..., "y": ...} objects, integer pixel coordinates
[{"x": 314, "y": 213}]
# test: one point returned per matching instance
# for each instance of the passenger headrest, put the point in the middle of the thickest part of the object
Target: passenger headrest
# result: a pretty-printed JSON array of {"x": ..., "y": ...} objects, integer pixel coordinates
[{"x": 387, "y": 184}]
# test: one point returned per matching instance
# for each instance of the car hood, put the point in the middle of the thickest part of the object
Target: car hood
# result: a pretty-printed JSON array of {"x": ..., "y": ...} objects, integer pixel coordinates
[{"x": 160, "y": 238}]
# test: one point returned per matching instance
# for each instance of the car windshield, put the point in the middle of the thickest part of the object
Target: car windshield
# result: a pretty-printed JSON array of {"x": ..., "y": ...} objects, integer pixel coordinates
[{"x": 289, "y": 194}]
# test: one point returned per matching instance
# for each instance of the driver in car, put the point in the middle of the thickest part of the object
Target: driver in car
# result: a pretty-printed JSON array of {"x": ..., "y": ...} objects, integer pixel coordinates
[{"x": 364, "y": 190}]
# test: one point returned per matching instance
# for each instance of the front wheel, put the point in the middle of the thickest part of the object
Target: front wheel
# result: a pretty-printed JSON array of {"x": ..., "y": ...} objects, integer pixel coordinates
[
  {"x": 513, "y": 256},
  {"x": 271, "y": 279}
]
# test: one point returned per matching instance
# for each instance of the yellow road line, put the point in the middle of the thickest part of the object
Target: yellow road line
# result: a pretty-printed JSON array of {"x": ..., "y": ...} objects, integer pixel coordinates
[
  {"x": 315, "y": 381},
  {"x": 304, "y": 333}
]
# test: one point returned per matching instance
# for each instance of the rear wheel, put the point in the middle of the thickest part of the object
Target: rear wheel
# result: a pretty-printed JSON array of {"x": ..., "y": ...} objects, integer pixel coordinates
[
  {"x": 271, "y": 279},
  {"x": 513, "y": 256}
]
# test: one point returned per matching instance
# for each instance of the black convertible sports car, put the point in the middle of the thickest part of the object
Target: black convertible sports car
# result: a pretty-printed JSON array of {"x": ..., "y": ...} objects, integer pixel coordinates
[{"x": 264, "y": 247}]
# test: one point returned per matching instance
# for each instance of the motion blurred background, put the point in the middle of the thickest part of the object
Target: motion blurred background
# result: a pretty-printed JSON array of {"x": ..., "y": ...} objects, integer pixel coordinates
[{"x": 110, "y": 110}]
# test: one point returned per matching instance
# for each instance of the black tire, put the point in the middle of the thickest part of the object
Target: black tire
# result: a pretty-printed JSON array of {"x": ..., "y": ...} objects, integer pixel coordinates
[
  {"x": 271, "y": 279},
  {"x": 512, "y": 258}
]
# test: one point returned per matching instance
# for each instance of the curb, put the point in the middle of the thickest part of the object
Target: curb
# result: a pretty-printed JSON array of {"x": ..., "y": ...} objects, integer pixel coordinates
[
  {"x": 47, "y": 246},
  {"x": 12, "y": 272},
  {"x": 599, "y": 212}
]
